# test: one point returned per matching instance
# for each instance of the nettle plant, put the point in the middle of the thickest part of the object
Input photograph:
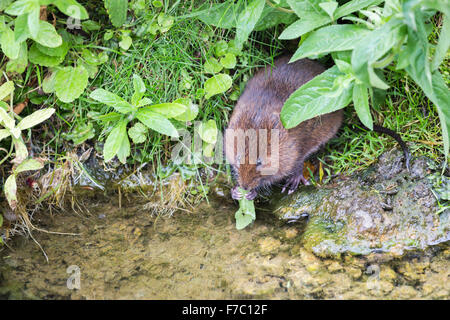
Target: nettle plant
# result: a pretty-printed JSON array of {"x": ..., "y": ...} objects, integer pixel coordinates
[
  {"x": 148, "y": 116},
  {"x": 364, "y": 37},
  {"x": 21, "y": 162}
]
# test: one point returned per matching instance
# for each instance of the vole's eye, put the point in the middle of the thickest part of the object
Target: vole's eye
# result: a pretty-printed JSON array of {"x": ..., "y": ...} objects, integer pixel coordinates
[{"x": 258, "y": 162}]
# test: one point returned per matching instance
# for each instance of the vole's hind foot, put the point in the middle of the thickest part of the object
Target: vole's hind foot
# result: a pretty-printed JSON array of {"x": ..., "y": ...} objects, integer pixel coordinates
[
  {"x": 293, "y": 182},
  {"x": 235, "y": 193}
]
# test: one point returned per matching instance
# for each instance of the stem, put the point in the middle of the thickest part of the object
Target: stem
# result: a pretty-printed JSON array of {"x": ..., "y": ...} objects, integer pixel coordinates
[
  {"x": 279, "y": 8},
  {"x": 384, "y": 62}
]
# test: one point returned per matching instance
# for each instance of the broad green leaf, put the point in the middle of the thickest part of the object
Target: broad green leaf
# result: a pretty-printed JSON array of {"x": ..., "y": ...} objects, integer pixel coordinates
[
  {"x": 21, "y": 32},
  {"x": 47, "y": 35},
  {"x": 60, "y": 51},
  {"x": 4, "y": 133},
  {"x": 220, "y": 48},
  {"x": 212, "y": 66},
  {"x": 48, "y": 84},
  {"x": 217, "y": 84},
  {"x": 33, "y": 22},
  {"x": 139, "y": 89},
  {"x": 70, "y": 83},
  {"x": 329, "y": 7},
  {"x": 157, "y": 122},
  {"x": 28, "y": 165},
  {"x": 144, "y": 102},
  {"x": 3, "y": 5},
  {"x": 93, "y": 58},
  {"x": 124, "y": 149},
  {"x": 20, "y": 7},
  {"x": 309, "y": 101},
  {"x": 247, "y": 20},
  {"x": 35, "y": 118},
  {"x": 71, "y": 8},
  {"x": 117, "y": 10},
  {"x": 10, "y": 46},
  {"x": 222, "y": 15},
  {"x": 353, "y": 6},
  {"x": 228, "y": 61},
  {"x": 10, "y": 188},
  {"x": 208, "y": 131},
  {"x": 191, "y": 111},
  {"x": 165, "y": 22},
  {"x": 374, "y": 46},
  {"x": 116, "y": 138},
  {"x": 111, "y": 100},
  {"x": 304, "y": 25},
  {"x": 138, "y": 133},
  {"x": 126, "y": 42},
  {"x": 361, "y": 103},
  {"x": 271, "y": 17},
  {"x": 6, "y": 89},
  {"x": 39, "y": 58},
  {"x": 246, "y": 213},
  {"x": 330, "y": 39},
  {"x": 20, "y": 64},
  {"x": 21, "y": 151},
  {"x": 169, "y": 110}
]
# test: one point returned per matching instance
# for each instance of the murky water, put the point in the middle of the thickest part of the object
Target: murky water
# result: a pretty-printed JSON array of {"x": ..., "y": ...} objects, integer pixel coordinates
[{"x": 132, "y": 254}]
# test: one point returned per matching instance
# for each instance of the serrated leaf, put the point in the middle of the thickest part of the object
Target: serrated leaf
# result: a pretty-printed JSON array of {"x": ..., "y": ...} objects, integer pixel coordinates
[
  {"x": 117, "y": 11},
  {"x": 138, "y": 133},
  {"x": 217, "y": 84},
  {"x": 111, "y": 100},
  {"x": 310, "y": 101},
  {"x": 70, "y": 83},
  {"x": 157, "y": 122},
  {"x": 35, "y": 118}
]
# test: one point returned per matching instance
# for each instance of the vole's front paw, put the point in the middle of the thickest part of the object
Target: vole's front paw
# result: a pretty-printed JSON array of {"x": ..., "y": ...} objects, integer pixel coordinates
[
  {"x": 235, "y": 193},
  {"x": 251, "y": 195}
]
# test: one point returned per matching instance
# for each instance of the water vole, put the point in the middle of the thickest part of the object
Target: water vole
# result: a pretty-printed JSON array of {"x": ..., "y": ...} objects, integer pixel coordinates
[{"x": 276, "y": 154}]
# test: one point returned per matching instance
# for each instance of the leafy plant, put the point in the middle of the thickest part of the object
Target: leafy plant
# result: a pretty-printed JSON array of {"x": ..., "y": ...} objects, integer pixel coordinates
[
  {"x": 151, "y": 116},
  {"x": 246, "y": 213},
  {"x": 10, "y": 129}
]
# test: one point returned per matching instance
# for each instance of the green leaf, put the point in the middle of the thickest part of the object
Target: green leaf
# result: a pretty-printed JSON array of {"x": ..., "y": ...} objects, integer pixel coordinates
[
  {"x": 191, "y": 111},
  {"x": 330, "y": 39},
  {"x": 81, "y": 133},
  {"x": 71, "y": 8},
  {"x": 443, "y": 44},
  {"x": 33, "y": 22},
  {"x": 124, "y": 149},
  {"x": 39, "y": 58},
  {"x": 117, "y": 10},
  {"x": 126, "y": 42},
  {"x": 208, "y": 131},
  {"x": 47, "y": 35},
  {"x": 139, "y": 89},
  {"x": 10, "y": 188},
  {"x": 60, "y": 51},
  {"x": 48, "y": 84},
  {"x": 247, "y": 20},
  {"x": 246, "y": 213},
  {"x": 157, "y": 122},
  {"x": 20, "y": 7},
  {"x": 228, "y": 61},
  {"x": 8, "y": 121},
  {"x": 70, "y": 83},
  {"x": 304, "y": 25},
  {"x": 353, "y": 6},
  {"x": 361, "y": 103},
  {"x": 116, "y": 138},
  {"x": 212, "y": 66},
  {"x": 222, "y": 15},
  {"x": 4, "y": 133},
  {"x": 220, "y": 48},
  {"x": 10, "y": 46},
  {"x": 35, "y": 118},
  {"x": 111, "y": 100},
  {"x": 138, "y": 133},
  {"x": 169, "y": 110},
  {"x": 6, "y": 89},
  {"x": 217, "y": 84},
  {"x": 28, "y": 165},
  {"x": 309, "y": 101},
  {"x": 329, "y": 7},
  {"x": 21, "y": 32}
]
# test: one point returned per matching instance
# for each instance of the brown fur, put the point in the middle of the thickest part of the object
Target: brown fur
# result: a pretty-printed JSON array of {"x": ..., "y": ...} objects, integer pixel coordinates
[{"x": 259, "y": 107}]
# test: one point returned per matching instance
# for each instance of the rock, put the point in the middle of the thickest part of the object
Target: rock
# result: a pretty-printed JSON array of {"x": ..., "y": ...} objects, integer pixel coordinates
[
  {"x": 268, "y": 245},
  {"x": 334, "y": 267},
  {"x": 380, "y": 210}
]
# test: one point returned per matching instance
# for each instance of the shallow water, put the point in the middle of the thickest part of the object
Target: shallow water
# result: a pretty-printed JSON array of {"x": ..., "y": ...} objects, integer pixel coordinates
[{"x": 129, "y": 253}]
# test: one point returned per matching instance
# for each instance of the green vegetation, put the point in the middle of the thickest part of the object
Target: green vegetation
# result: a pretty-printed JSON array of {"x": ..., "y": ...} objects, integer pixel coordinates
[{"x": 109, "y": 71}]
